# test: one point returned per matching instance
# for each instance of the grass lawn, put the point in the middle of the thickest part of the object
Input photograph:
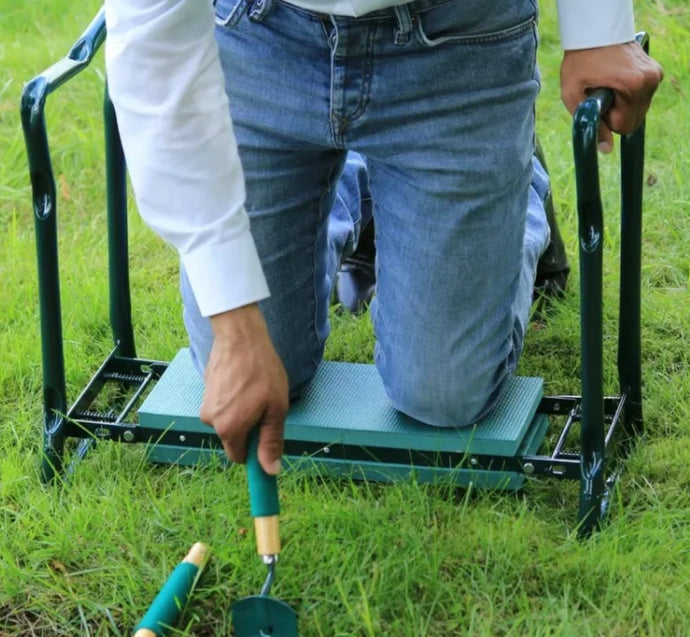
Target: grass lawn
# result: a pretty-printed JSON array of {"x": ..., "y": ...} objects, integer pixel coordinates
[{"x": 358, "y": 559}]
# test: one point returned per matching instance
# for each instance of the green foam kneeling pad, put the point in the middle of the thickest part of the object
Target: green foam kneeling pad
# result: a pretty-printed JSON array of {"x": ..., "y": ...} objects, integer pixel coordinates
[{"x": 346, "y": 404}]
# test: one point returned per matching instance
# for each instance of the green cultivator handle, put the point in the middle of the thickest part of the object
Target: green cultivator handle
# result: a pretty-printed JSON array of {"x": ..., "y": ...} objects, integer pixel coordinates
[
  {"x": 169, "y": 603},
  {"x": 263, "y": 500}
]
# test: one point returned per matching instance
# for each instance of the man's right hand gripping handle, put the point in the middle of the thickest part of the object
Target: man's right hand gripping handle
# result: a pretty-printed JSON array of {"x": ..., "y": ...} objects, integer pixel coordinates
[{"x": 246, "y": 386}]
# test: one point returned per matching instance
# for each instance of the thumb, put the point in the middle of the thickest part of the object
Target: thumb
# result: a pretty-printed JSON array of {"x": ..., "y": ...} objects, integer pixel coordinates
[
  {"x": 605, "y": 139},
  {"x": 271, "y": 441}
]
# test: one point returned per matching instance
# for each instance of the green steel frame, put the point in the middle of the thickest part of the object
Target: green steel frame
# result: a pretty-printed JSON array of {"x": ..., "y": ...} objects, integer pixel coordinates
[{"x": 599, "y": 417}]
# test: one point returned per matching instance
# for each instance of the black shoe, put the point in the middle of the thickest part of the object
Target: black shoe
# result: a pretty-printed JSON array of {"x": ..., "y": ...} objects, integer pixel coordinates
[
  {"x": 356, "y": 281},
  {"x": 553, "y": 267}
]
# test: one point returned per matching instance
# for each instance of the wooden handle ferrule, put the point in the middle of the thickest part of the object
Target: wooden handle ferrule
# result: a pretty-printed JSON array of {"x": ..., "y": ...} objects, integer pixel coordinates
[
  {"x": 267, "y": 531},
  {"x": 197, "y": 555}
]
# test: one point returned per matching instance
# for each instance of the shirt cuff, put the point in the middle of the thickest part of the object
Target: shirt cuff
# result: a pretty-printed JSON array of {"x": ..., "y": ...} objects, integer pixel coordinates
[
  {"x": 225, "y": 276},
  {"x": 588, "y": 24}
]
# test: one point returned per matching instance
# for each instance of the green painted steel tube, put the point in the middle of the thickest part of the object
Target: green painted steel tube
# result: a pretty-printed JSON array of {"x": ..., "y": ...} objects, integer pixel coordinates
[
  {"x": 118, "y": 246},
  {"x": 45, "y": 212},
  {"x": 45, "y": 217},
  {"x": 629, "y": 321},
  {"x": 591, "y": 233},
  {"x": 44, "y": 200},
  {"x": 591, "y": 230},
  {"x": 629, "y": 334}
]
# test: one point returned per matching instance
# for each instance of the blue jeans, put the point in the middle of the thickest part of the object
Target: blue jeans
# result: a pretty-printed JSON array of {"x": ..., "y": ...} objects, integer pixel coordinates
[{"x": 438, "y": 96}]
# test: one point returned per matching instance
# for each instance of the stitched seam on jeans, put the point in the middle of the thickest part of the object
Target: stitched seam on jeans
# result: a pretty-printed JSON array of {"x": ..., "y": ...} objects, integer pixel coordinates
[
  {"x": 537, "y": 73},
  {"x": 315, "y": 304},
  {"x": 489, "y": 38},
  {"x": 364, "y": 98},
  {"x": 230, "y": 21}
]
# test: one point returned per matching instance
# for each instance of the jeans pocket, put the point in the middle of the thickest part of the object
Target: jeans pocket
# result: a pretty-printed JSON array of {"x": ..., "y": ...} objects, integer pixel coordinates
[
  {"x": 474, "y": 22},
  {"x": 229, "y": 12}
]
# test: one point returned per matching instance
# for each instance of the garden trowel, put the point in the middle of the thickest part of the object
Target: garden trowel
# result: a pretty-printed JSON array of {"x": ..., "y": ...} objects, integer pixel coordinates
[{"x": 261, "y": 615}]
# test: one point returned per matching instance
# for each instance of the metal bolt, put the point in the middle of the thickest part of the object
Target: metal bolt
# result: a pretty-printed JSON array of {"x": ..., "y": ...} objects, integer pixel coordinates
[
  {"x": 327, "y": 450},
  {"x": 128, "y": 436},
  {"x": 557, "y": 406},
  {"x": 474, "y": 462},
  {"x": 528, "y": 468},
  {"x": 183, "y": 437}
]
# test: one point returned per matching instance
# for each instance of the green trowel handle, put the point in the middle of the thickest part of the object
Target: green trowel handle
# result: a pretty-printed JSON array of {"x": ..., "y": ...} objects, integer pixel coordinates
[{"x": 263, "y": 489}]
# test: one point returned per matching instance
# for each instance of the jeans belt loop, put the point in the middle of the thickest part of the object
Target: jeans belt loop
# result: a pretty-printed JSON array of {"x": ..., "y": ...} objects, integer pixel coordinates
[
  {"x": 403, "y": 24},
  {"x": 260, "y": 9}
]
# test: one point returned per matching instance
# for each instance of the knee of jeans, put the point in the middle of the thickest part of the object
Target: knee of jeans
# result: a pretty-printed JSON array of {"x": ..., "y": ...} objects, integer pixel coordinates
[
  {"x": 443, "y": 398},
  {"x": 200, "y": 338},
  {"x": 300, "y": 362},
  {"x": 300, "y": 372}
]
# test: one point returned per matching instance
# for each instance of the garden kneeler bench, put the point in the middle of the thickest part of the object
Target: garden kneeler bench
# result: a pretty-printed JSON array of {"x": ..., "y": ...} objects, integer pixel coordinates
[{"x": 345, "y": 426}]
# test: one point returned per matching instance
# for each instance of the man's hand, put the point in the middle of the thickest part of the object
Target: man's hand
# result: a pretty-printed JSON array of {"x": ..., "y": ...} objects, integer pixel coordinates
[
  {"x": 246, "y": 386},
  {"x": 624, "y": 68}
]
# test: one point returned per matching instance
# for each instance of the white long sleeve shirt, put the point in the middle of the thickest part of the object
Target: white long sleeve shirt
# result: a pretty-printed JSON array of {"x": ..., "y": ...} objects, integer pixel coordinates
[{"x": 166, "y": 83}]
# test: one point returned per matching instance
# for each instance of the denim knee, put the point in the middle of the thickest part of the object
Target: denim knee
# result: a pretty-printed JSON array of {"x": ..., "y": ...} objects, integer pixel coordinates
[
  {"x": 300, "y": 355},
  {"x": 444, "y": 395}
]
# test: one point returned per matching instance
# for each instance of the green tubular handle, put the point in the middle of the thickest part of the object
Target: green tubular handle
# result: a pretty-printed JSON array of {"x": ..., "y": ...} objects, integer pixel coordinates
[
  {"x": 263, "y": 489},
  {"x": 172, "y": 598},
  {"x": 170, "y": 601}
]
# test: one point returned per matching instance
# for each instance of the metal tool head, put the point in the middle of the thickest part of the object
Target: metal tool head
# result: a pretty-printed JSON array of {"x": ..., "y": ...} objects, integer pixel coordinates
[{"x": 261, "y": 616}]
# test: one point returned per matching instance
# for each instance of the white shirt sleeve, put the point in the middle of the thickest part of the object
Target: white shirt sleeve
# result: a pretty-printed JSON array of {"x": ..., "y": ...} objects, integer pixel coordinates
[
  {"x": 586, "y": 24},
  {"x": 166, "y": 83}
]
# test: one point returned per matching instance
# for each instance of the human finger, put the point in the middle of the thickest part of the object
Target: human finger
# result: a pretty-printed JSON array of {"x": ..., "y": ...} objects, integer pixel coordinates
[
  {"x": 271, "y": 440},
  {"x": 605, "y": 139}
]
